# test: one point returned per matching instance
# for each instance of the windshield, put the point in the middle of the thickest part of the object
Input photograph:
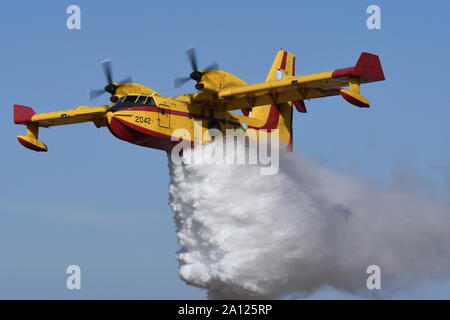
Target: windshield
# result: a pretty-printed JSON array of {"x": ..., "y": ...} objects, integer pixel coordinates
[{"x": 132, "y": 101}]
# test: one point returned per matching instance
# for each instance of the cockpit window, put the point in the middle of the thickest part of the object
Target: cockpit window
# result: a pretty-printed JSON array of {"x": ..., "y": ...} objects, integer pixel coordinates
[
  {"x": 141, "y": 100},
  {"x": 131, "y": 101},
  {"x": 150, "y": 102}
]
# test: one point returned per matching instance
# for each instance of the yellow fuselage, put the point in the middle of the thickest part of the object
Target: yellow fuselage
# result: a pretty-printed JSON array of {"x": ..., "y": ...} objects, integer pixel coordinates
[{"x": 153, "y": 121}]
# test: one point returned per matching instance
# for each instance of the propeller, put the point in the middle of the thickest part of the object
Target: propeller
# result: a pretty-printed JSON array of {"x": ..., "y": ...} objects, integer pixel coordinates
[
  {"x": 195, "y": 75},
  {"x": 110, "y": 86}
]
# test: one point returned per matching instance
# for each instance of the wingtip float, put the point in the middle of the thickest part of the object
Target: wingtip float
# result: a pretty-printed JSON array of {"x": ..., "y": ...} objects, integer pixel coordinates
[
  {"x": 367, "y": 69},
  {"x": 24, "y": 115}
]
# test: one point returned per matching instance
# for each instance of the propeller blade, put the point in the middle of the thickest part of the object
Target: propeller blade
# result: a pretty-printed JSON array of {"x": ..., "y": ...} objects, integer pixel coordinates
[
  {"x": 192, "y": 56},
  {"x": 213, "y": 66},
  {"x": 108, "y": 70},
  {"x": 195, "y": 75},
  {"x": 96, "y": 93},
  {"x": 178, "y": 82},
  {"x": 110, "y": 86},
  {"x": 127, "y": 80}
]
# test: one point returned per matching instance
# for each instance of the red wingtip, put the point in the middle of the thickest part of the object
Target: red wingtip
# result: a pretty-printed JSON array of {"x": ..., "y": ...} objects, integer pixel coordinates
[
  {"x": 22, "y": 114},
  {"x": 369, "y": 67}
]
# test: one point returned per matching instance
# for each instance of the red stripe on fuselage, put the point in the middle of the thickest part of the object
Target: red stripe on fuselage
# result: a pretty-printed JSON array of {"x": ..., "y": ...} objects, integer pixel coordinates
[
  {"x": 156, "y": 109},
  {"x": 135, "y": 134}
]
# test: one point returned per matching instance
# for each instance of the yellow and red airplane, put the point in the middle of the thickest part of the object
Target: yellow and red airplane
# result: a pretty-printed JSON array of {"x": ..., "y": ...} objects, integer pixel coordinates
[{"x": 142, "y": 116}]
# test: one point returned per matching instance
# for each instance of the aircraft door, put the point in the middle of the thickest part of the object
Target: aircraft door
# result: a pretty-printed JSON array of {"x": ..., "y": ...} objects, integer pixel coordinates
[{"x": 164, "y": 116}]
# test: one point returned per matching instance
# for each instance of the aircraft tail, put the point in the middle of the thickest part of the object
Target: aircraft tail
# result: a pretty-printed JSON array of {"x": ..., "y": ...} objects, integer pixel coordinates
[{"x": 280, "y": 114}]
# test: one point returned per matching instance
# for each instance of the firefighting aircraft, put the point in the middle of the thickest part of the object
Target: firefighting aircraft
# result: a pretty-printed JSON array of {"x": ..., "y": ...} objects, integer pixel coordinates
[{"x": 142, "y": 116}]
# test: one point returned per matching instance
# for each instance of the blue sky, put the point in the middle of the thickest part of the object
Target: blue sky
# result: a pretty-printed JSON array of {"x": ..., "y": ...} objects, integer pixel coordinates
[{"x": 101, "y": 203}]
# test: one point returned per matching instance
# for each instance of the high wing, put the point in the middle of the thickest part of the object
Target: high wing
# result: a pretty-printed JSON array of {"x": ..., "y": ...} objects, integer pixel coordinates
[
  {"x": 316, "y": 85},
  {"x": 27, "y": 116}
]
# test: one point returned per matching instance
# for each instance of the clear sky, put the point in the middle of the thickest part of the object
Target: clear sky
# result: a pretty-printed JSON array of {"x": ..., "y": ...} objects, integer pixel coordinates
[{"x": 101, "y": 203}]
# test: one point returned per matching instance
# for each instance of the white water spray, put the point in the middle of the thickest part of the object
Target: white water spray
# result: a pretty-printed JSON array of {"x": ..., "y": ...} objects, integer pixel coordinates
[{"x": 245, "y": 235}]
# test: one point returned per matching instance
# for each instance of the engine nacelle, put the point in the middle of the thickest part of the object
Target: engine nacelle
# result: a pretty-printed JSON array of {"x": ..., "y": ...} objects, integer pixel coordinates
[{"x": 212, "y": 81}]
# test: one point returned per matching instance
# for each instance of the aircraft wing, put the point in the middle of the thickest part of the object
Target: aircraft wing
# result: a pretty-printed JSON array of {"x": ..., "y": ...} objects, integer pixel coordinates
[
  {"x": 27, "y": 116},
  {"x": 316, "y": 85}
]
